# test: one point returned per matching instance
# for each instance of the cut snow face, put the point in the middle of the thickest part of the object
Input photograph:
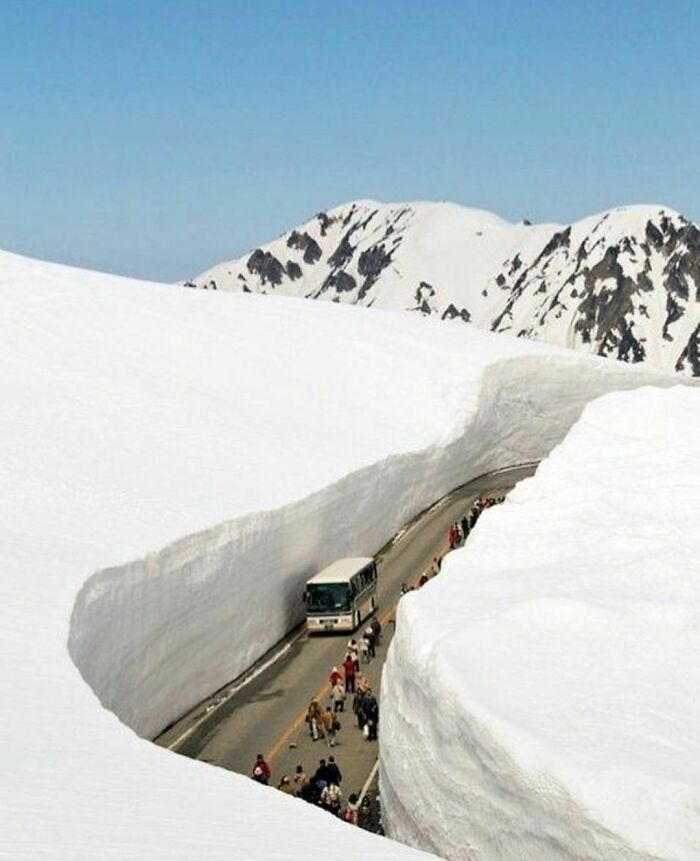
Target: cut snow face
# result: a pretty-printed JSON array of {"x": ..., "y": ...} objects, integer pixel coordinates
[
  {"x": 174, "y": 464},
  {"x": 623, "y": 284},
  {"x": 541, "y": 695}
]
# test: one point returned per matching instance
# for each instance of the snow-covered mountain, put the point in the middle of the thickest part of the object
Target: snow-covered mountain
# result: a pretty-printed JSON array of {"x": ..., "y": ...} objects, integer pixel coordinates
[{"x": 624, "y": 284}]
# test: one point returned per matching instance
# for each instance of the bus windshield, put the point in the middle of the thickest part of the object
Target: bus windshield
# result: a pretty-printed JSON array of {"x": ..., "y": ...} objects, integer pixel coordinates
[{"x": 328, "y": 597}]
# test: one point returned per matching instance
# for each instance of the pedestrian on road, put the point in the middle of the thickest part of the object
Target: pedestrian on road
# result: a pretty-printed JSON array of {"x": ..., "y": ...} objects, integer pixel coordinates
[
  {"x": 335, "y": 677},
  {"x": 314, "y": 718},
  {"x": 423, "y": 580},
  {"x": 359, "y": 707},
  {"x": 371, "y": 708},
  {"x": 350, "y": 814},
  {"x": 364, "y": 650},
  {"x": 286, "y": 786},
  {"x": 333, "y": 772},
  {"x": 301, "y": 782},
  {"x": 404, "y": 588},
  {"x": 368, "y": 635},
  {"x": 338, "y": 694},
  {"x": 361, "y": 683},
  {"x": 465, "y": 526},
  {"x": 351, "y": 666},
  {"x": 330, "y": 721},
  {"x": 438, "y": 564},
  {"x": 353, "y": 649},
  {"x": 331, "y": 798},
  {"x": 258, "y": 776},
  {"x": 452, "y": 537},
  {"x": 261, "y": 770},
  {"x": 318, "y": 783},
  {"x": 365, "y": 814},
  {"x": 322, "y": 774},
  {"x": 377, "y": 629}
]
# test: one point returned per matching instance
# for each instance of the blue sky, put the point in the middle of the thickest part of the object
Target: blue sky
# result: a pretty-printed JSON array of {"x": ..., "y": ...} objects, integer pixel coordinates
[{"x": 156, "y": 138}]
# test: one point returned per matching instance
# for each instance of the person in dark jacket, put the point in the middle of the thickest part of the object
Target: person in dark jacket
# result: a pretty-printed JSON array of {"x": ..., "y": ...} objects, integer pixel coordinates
[
  {"x": 320, "y": 778},
  {"x": 333, "y": 772},
  {"x": 372, "y": 712},
  {"x": 359, "y": 707}
]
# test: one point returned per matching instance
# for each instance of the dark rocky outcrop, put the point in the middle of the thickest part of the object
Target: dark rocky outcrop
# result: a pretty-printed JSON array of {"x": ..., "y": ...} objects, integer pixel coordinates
[
  {"x": 325, "y": 221},
  {"x": 605, "y": 311},
  {"x": 306, "y": 243},
  {"x": 344, "y": 251},
  {"x": 453, "y": 313},
  {"x": 340, "y": 281},
  {"x": 267, "y": 266},
  {"x": 424, "y": 296},
  {"x": 689, "y": 359},
  {"x": 293, "y": 270},
  {"x": 373, "y": 261}
]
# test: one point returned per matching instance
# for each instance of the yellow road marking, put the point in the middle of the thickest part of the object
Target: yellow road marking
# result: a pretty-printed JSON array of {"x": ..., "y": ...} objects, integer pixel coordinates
[{"x": 320, "y": 694}]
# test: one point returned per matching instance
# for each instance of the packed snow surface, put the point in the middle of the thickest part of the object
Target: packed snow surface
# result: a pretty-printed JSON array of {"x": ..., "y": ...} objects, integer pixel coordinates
[
  {"x": 623, "y": 283},
  {"x": 541, "y": 695},
  {"x": 174, "y": 465}
]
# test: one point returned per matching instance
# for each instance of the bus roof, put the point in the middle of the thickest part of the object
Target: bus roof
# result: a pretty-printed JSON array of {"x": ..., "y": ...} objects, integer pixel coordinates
[{"x": 341, "y": 570}]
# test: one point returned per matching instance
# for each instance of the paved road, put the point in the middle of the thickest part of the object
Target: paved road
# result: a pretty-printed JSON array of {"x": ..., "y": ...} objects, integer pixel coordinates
[{"x": 267, "y": 715}]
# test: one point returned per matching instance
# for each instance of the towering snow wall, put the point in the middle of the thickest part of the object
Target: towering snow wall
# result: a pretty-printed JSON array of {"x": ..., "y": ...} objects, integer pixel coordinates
[
  {"x": 540, "y": 696},
  {"x": 156, "y": 636},
  {"x": 174, "y": 463}
]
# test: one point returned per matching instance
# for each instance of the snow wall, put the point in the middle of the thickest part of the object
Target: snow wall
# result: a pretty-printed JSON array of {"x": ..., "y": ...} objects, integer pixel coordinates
[
  {"x": 540, "y": 696},
  {"x": 135, "y": 419},
  {"x": 158, "y": 635}
]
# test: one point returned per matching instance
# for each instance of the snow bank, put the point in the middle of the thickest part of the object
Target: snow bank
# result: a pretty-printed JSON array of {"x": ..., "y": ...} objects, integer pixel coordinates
[
  {"x": 540, "y": 697},
  {"x": 174, "y": 464}
]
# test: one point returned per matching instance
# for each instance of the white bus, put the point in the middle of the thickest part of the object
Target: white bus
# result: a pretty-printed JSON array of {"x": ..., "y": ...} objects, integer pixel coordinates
[{"x": 341, "y": 596}]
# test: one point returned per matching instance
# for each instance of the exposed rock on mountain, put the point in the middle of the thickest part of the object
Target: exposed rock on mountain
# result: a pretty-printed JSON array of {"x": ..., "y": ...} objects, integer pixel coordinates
[{"x": 624, "y": 284}]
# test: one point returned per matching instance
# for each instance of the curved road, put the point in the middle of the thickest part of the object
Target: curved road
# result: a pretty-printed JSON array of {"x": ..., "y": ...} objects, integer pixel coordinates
[{"x": 266, "y": 714}]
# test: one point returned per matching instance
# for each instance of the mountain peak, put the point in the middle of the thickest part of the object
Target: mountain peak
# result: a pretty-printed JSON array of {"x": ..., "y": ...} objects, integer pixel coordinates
[{"x": 623, "y": 283}]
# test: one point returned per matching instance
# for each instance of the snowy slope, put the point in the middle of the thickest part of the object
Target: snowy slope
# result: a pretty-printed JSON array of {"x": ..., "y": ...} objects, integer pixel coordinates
[
  {"x": 174, "y": 464},
  {"x": 542, "y": 694},
  {"x": 624, "y": 284}
]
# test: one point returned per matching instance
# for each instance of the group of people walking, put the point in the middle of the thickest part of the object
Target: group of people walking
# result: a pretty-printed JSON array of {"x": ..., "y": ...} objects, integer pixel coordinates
[
  {"x": 323, "y": 787},
  {"x": 344, "y": 680},
  {"x": 456, "y": 535},
  {"x": 460, "y": 530}
]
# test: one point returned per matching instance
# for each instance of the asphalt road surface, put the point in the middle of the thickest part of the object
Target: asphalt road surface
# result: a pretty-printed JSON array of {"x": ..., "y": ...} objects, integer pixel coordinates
[{"x": 267, "y": 714}]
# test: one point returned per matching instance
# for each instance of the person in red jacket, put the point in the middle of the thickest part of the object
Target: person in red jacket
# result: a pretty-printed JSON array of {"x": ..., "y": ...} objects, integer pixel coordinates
[
  {"x": 335, "y": 677},
  {"x": 351, "y": 666},
  {"x": 261, "y": 770}
]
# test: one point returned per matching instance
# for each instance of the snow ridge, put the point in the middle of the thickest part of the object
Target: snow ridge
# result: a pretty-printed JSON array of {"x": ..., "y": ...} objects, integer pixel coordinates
[{"x": 623, "y": 284}]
